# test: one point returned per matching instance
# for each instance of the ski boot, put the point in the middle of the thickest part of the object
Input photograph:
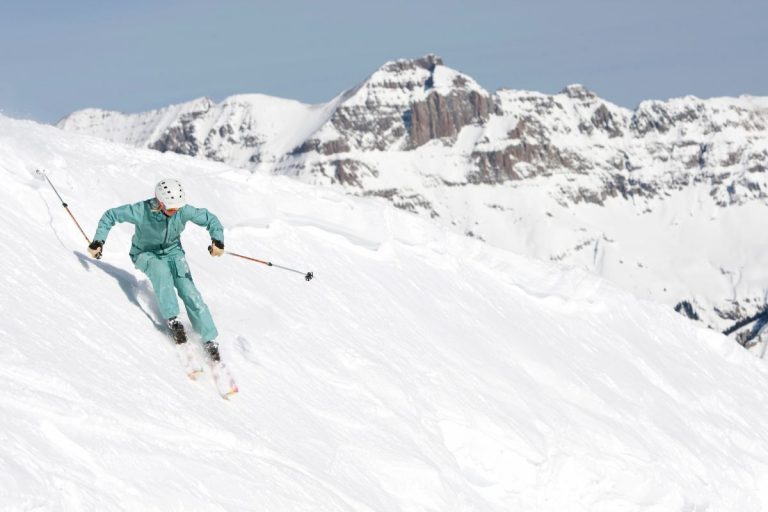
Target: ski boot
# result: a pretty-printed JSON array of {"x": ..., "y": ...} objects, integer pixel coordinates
[
  {"x": 177, "y": 331},
  {"x": 212, "y": 351}
]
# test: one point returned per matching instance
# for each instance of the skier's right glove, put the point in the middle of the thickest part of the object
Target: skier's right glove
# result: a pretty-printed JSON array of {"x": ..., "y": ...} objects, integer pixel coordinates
[
  {"x": 95, "y": 248},
  {"x": 216, "y": 248}
]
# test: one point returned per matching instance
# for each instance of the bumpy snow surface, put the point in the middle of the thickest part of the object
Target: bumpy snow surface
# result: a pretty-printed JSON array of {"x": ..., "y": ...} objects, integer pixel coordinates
[{"x": 419, "y": 371}]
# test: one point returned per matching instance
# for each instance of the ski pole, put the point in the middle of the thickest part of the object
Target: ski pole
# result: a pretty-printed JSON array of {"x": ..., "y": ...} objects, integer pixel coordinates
[
  {"x": 307, "y": 275},
  {"x": 45, "y": 175}
]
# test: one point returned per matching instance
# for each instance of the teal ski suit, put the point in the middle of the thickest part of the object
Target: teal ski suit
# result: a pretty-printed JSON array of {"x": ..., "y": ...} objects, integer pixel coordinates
[{"x": 156, "y": 250}]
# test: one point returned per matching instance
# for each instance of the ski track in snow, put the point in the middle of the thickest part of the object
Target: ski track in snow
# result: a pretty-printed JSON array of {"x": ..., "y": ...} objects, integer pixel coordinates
[{"x": 419, "y": 371}]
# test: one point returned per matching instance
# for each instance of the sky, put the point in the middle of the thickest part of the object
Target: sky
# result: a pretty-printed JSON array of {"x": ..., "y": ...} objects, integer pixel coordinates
[{"x": 57, "y": 57}]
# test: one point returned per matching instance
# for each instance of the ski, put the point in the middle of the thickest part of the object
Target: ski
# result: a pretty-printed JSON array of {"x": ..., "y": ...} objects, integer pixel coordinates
[
  {"x": 223, "y": 379},
  {"x": 188, "y": 360}
]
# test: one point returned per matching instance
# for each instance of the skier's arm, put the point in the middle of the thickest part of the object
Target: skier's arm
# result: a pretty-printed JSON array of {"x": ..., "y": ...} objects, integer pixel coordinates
[
  {"x": 202, "y": 217},
  {"x": 127, "y": 213}
]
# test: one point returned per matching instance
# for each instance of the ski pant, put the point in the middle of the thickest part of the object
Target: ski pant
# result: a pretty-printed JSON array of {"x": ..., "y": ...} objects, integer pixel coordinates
[{"x": 169, "y": 272}]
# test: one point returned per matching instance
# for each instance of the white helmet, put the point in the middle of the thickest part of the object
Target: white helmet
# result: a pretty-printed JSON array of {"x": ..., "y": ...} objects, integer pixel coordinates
[{"x": 170, "y": 193}]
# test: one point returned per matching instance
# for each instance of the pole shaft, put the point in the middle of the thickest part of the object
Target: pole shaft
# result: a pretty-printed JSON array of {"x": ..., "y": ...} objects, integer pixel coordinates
[
  {"x": 307, "y": 275},
  {"x": 290, "y": 269},
  {"x": 54, "y": 189},
  {"x": 66, "y": 208},
  {"x": 78, "y": 225},
  {"x": 250, "y": 259}
]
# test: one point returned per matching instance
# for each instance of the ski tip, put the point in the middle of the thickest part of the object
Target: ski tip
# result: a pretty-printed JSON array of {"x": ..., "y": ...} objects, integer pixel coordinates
[
  {"x": 194, "y": 374},
  {"x": 233, "y": 390},
  {"x": 228, "y": 394}
]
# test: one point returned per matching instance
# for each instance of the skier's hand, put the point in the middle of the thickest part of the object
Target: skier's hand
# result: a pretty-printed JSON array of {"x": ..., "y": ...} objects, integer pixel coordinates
[
  {"x": 95, "y": 249},
  {"x": 216, "y": 248}
]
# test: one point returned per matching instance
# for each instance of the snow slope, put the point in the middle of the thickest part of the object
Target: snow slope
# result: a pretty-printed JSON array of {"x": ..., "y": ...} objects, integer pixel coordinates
[{"x": 419, "y": 371}]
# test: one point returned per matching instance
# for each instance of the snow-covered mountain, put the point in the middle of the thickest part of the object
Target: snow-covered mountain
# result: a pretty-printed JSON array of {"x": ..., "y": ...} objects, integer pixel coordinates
[
  {"x": 665, "y": 200},
  {"x": 420, "y": 370}
]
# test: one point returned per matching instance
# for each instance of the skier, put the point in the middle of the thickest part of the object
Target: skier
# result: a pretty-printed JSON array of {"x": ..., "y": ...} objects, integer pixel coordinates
[{"x": 156, "y": 250}]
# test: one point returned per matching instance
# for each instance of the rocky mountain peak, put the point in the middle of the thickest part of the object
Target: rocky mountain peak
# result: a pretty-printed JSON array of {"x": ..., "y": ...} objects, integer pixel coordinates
[
  {"x": 402, "y": 105},
  {"x": 578, "y": 92},
  {"x": 428, "y": 62}
]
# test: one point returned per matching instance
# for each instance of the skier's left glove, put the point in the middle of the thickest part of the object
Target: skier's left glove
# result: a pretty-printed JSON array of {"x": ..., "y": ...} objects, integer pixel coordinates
[
  {"x": 216, "y": 248},
  {"x": 95, "y": 249}
]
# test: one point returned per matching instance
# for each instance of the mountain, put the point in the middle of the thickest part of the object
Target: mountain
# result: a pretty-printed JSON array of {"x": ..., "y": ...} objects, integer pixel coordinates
[
  {"x": 663, "y": 200},
  {"x": 419, "y": 370}
]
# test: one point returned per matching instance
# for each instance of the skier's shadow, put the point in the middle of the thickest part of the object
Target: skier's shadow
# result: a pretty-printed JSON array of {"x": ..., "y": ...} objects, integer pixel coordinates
[{"x": 132, "y": 288}]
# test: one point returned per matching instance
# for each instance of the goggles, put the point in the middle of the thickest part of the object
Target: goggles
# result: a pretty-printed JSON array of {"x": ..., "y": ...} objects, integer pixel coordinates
[{"x": 169, "y": 211}]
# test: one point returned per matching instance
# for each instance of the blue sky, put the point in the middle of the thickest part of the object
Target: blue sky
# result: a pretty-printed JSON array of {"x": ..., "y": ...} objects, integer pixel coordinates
[{"x": 60, "y": 56}]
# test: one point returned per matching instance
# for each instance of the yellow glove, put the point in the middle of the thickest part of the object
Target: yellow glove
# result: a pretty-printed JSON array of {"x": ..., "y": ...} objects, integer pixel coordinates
[
  {"x": 216, "y": 248},
  {"x": 95, "y": 249}
]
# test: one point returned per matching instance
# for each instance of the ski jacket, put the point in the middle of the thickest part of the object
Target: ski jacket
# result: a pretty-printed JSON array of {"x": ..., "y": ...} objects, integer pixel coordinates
[{"x": 156, "y": 232}]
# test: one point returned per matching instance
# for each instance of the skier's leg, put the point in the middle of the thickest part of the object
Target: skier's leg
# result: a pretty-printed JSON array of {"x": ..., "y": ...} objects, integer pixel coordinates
[
  {"x": 159, "y": 273},
  {"x": 197, "y": 310}
]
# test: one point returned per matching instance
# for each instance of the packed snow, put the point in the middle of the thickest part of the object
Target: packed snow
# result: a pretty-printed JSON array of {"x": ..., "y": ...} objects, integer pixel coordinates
[{"x": 419, "y": 370}]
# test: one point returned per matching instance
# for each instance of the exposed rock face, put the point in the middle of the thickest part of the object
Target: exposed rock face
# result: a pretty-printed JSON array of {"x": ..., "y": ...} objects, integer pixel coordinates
[
  {"x": 528, "y": 145},
  {"x": 324, "y": 148},
  {"x": 603, "y": 120},
  {"x": 444, "y": 116},
  {"x": 180, "y": 139},
  {"x": 404, "y": 105}
]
